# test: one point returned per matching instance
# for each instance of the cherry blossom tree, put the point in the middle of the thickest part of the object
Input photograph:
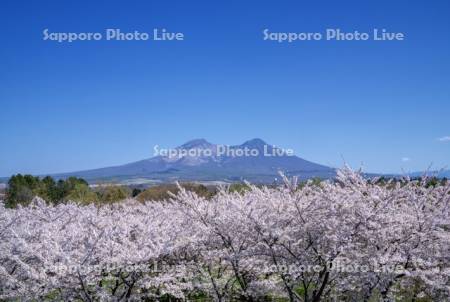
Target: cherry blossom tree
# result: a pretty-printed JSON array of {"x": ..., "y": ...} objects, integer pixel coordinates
[{"x": 349, "y": 239}]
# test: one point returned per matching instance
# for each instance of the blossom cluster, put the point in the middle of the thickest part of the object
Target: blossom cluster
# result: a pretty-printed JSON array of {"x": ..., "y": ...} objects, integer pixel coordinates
[{"x": 293, "y": 242}]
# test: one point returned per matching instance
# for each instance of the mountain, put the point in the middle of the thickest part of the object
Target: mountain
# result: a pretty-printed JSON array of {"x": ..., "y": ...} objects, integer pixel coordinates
[
  {"x": 200, "y": 160},
  {"x": 437, "y": 173}
]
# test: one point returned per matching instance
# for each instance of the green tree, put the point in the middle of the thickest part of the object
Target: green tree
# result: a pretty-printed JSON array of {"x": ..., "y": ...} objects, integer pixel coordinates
[
  {"x": 82, "y": 193},
  {"x": 47, "y": 189},
  {"x": 111, "y": 193},
  {"x": 136, "y": 192},
  {"x": 161, "y": 192},
  {"x": 21, "y": 189},
  {"x": 66, "y": 187},
  {"x": 240, "y": 188}
]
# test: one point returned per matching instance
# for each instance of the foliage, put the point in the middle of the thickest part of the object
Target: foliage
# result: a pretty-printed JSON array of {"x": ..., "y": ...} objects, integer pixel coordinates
[
  {"x": 135, "y": 192},
  {"x": 239, "y": 188},
  {"x": 348, "y": 240},
  {"x": 165, "y": 192},
  {"x": 315, "y": 181},
  {"x": 113, "y": 193},
  {"x": 22, "y": 189},
  {"x": 82, "y": 193}
]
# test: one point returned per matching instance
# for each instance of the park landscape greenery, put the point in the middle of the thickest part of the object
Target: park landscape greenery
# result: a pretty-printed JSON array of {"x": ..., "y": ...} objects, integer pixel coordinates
[{"x": 23, "y": 188}]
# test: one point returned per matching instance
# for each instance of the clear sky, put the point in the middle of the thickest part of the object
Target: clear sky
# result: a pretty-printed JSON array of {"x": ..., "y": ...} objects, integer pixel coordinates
[{"x": 81, "y": 105}]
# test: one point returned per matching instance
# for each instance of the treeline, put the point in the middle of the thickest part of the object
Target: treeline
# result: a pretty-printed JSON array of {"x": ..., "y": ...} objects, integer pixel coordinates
[
  {"x": 23, "y": 188},
  {"x": 432, "y": 181}
]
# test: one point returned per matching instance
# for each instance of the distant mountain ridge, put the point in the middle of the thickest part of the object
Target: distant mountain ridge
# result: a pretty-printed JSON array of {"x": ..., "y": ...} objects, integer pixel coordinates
[
  {"x": 210, "y": 165},
  {"x": 200, "y": 160},
  {"x": 439, "y": 173}
]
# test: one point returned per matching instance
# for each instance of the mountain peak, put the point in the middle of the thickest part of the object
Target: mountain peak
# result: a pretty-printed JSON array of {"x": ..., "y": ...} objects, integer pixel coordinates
[
  {"x": 196, "y": 143},
  {"x": 255, "y": 143},
  {"x": 207, "y": 164}
]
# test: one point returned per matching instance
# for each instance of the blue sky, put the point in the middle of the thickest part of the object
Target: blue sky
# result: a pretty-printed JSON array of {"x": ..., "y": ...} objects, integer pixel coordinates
[{"x": 81, "y": 105}]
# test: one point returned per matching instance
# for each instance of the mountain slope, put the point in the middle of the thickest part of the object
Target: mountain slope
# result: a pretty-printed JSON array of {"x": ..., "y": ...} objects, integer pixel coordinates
[{"x": 203, "y": 161}]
